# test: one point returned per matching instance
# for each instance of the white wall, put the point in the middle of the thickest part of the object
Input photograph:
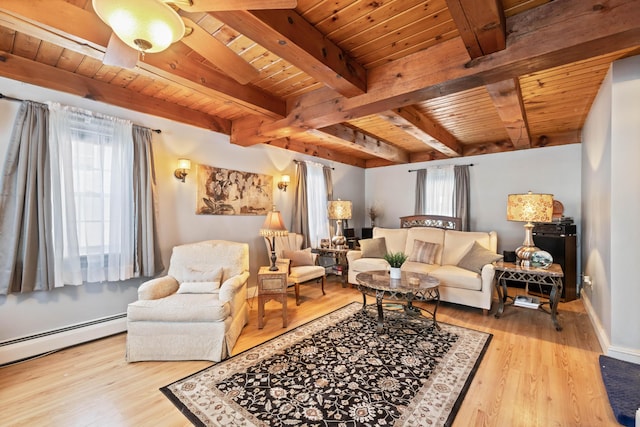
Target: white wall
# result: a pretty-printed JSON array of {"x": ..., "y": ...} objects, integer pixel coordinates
[
  {"x": 22, "y": 315},
  {"x": 554, "y": 170},
  {"x": 611, "y": 200}
]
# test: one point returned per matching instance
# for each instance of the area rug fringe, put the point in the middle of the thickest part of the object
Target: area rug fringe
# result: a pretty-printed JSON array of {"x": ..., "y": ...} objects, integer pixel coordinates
[{"x": 337, "y": 370}]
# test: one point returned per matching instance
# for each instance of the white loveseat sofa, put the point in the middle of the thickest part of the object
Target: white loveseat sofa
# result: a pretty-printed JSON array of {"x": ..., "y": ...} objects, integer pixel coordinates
[
  {"x": 458, "y": 253},
  {"x": 196, "y": 311}
]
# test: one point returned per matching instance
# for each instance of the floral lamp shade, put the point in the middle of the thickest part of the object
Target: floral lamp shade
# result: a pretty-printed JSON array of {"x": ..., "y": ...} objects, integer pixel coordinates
[
  {"x": 339, "y": 209},
  {"x": 530, "y": 207}
]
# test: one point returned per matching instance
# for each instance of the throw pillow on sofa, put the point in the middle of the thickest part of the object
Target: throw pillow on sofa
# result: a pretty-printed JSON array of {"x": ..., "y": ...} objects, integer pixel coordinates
[
  {"x": 200, "y": 280},
  {"x": 424, "y": 252},
  {"x": 373, "y": 248},
  {"x": 300, "y": 258},
  {"x": 476, "y": 258}
]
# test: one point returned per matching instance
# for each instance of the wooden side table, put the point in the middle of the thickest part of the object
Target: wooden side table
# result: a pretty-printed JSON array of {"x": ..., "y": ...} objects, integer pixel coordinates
[
  {"x": 530, "y": 275},
  {"x": 272, "y": 285}
]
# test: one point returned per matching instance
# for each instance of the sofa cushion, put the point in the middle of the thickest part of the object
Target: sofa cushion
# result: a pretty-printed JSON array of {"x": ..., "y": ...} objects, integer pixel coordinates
[
  {"x": 457, "y": 243},
  {"x": 395, "y": 238},
  {"x": 456, "y": 277},
  {"x": 424, "y": 252},
  {"x": 476, "y": 258},
  {"x": 419, "y": 267},
  {"x": 368, "y": 264},
  {"x": 198, "y": 287},
  {"x": 299, "y": 258},
  {"x": 180, "y": 308},
  {"x": 373, "y": 248}
]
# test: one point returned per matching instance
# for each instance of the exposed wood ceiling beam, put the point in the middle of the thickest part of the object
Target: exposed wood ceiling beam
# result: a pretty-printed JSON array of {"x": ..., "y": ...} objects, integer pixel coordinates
[
  {"x": 17, "y": 68},
  {"x": 481, "y": 25},
  {"x": 291, "y": 37},
  {"x": 317, "y": 151},
  {"x": 64, "y": 20},
  {"x": 507, "y": 98},
  {"x": 425, "y": 129},
  {"x": 561, "y": 138},
  {"x": 554, "y": 34},
  {"x": 357, "y": 140}
]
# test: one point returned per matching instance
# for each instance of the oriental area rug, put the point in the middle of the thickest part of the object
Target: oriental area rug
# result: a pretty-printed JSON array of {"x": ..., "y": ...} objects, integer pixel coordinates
[{"x": 338, "y": 371}]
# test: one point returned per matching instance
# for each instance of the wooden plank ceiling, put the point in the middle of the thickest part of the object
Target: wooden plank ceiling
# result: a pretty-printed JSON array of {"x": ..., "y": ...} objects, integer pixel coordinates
[{"x": 366, "y": 83}]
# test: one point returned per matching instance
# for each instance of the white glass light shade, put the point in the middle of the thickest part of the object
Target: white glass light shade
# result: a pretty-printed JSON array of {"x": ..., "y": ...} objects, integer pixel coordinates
[
  {"x": 286, "y": 179},
  {"x": 184, "y": 164},
  {"x": 146, "y": 25}
]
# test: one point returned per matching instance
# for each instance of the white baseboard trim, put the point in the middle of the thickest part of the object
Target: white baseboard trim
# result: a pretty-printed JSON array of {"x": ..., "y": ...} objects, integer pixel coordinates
[
  {"x": 621, "y": 353},
  {"x": 24, "y": 348}
]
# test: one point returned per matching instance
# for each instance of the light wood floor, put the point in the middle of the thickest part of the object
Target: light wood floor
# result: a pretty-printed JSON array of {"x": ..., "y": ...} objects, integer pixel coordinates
[{"x": 531, "y": 375}]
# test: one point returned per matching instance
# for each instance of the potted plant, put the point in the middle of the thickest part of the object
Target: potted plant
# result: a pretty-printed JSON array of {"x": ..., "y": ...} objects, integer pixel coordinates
[{"x": 395, "y": 261}]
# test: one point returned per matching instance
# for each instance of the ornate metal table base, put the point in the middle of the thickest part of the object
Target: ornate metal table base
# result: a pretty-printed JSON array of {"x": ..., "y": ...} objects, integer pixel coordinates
[
  {"x": 379, "y": 285},
  {"x": 550, "y": 277}
]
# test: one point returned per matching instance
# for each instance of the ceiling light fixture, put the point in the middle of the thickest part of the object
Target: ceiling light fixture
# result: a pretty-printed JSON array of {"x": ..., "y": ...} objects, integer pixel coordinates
[{"x": 148, "y": 26}]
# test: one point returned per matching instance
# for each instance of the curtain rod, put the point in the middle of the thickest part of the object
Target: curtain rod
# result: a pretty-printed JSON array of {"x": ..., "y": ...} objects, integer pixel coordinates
[
  {"x": 437, "y": 167},
  {"x": 324, "y": 166},
  {"x": 10, "y": 98}
]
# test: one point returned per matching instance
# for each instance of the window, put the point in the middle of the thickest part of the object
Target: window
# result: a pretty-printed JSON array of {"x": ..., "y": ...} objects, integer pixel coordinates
[
  {"x": 317, "y": 204},
  {"x": 439, "y": 191},
  {"x": 92, "y": 207}
]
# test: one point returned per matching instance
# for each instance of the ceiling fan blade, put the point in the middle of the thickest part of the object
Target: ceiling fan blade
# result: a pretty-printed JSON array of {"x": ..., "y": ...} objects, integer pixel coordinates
[
  {"x": 120, "y": 54},
  {"x": 219, "y": 54},
  {"x": 219, "y": 5}
]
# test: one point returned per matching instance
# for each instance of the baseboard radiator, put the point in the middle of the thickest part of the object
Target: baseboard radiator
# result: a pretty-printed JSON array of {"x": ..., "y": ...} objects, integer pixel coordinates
[{"x": 56, "y": 339}]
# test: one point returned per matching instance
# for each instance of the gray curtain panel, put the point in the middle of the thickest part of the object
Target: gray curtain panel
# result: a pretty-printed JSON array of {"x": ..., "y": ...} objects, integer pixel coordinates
[
  {"x": 26, "y": 248},
  {"x": 147, "y": 248},
  {"x": 300, "y": 220},
  {"x": 462, "y": 190},
  {"x": 421, "y": 188}
]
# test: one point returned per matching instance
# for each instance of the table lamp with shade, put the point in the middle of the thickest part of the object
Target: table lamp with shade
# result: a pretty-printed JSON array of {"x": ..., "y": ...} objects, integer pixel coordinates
[
  {"x": 529, "y": 208},
  {"x": 339, "y": 210},
  {"x": 273, "y": 226}
]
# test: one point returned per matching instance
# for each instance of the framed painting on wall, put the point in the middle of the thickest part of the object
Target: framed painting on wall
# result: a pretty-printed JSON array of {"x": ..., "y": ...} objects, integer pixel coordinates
[{"x": 229, "y": 192}]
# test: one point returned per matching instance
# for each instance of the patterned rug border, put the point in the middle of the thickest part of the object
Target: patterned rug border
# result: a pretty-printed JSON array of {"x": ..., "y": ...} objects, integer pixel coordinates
[{"x": 298, "y": 334}]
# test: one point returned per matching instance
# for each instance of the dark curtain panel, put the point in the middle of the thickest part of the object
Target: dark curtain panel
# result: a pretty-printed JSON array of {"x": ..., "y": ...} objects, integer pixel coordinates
[
  {"x": 300, "y": 220},
  {"x": 421, "y": 188},
  {"x": 462, "y": 190},
  {"x": 148, "y": 259},
  {"x": 26, "y": 242}
]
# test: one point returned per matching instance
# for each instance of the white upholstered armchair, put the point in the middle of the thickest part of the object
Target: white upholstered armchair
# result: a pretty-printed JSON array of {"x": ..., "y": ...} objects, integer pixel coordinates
[
  {"x": 302, "y": 264},
  {"x": 197, "y": 311}
]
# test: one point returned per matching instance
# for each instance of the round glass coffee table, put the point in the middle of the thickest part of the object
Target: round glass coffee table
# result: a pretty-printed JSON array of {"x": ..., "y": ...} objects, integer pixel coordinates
[{"x": 409, "y": 288}]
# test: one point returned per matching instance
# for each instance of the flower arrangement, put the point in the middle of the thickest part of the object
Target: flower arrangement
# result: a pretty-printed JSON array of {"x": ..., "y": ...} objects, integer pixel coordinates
[{"x": 373, "y": 214}]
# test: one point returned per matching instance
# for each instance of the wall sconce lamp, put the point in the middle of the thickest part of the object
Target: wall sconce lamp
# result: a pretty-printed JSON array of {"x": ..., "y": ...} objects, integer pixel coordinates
[
  {"x": 184, "y": 166},
  {"x": 284, "y": 182}
]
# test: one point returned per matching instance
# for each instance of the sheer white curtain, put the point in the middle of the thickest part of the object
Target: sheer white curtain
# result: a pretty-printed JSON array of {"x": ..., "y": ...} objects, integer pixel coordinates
[
  {"x": 317, "y": 204},
  {"x": 93, "y": 204},
  {"x": 439, "y": 191}
]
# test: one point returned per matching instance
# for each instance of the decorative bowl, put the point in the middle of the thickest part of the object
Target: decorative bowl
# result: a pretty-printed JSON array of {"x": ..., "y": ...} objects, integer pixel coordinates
[{"x": 541, "y": 259}]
